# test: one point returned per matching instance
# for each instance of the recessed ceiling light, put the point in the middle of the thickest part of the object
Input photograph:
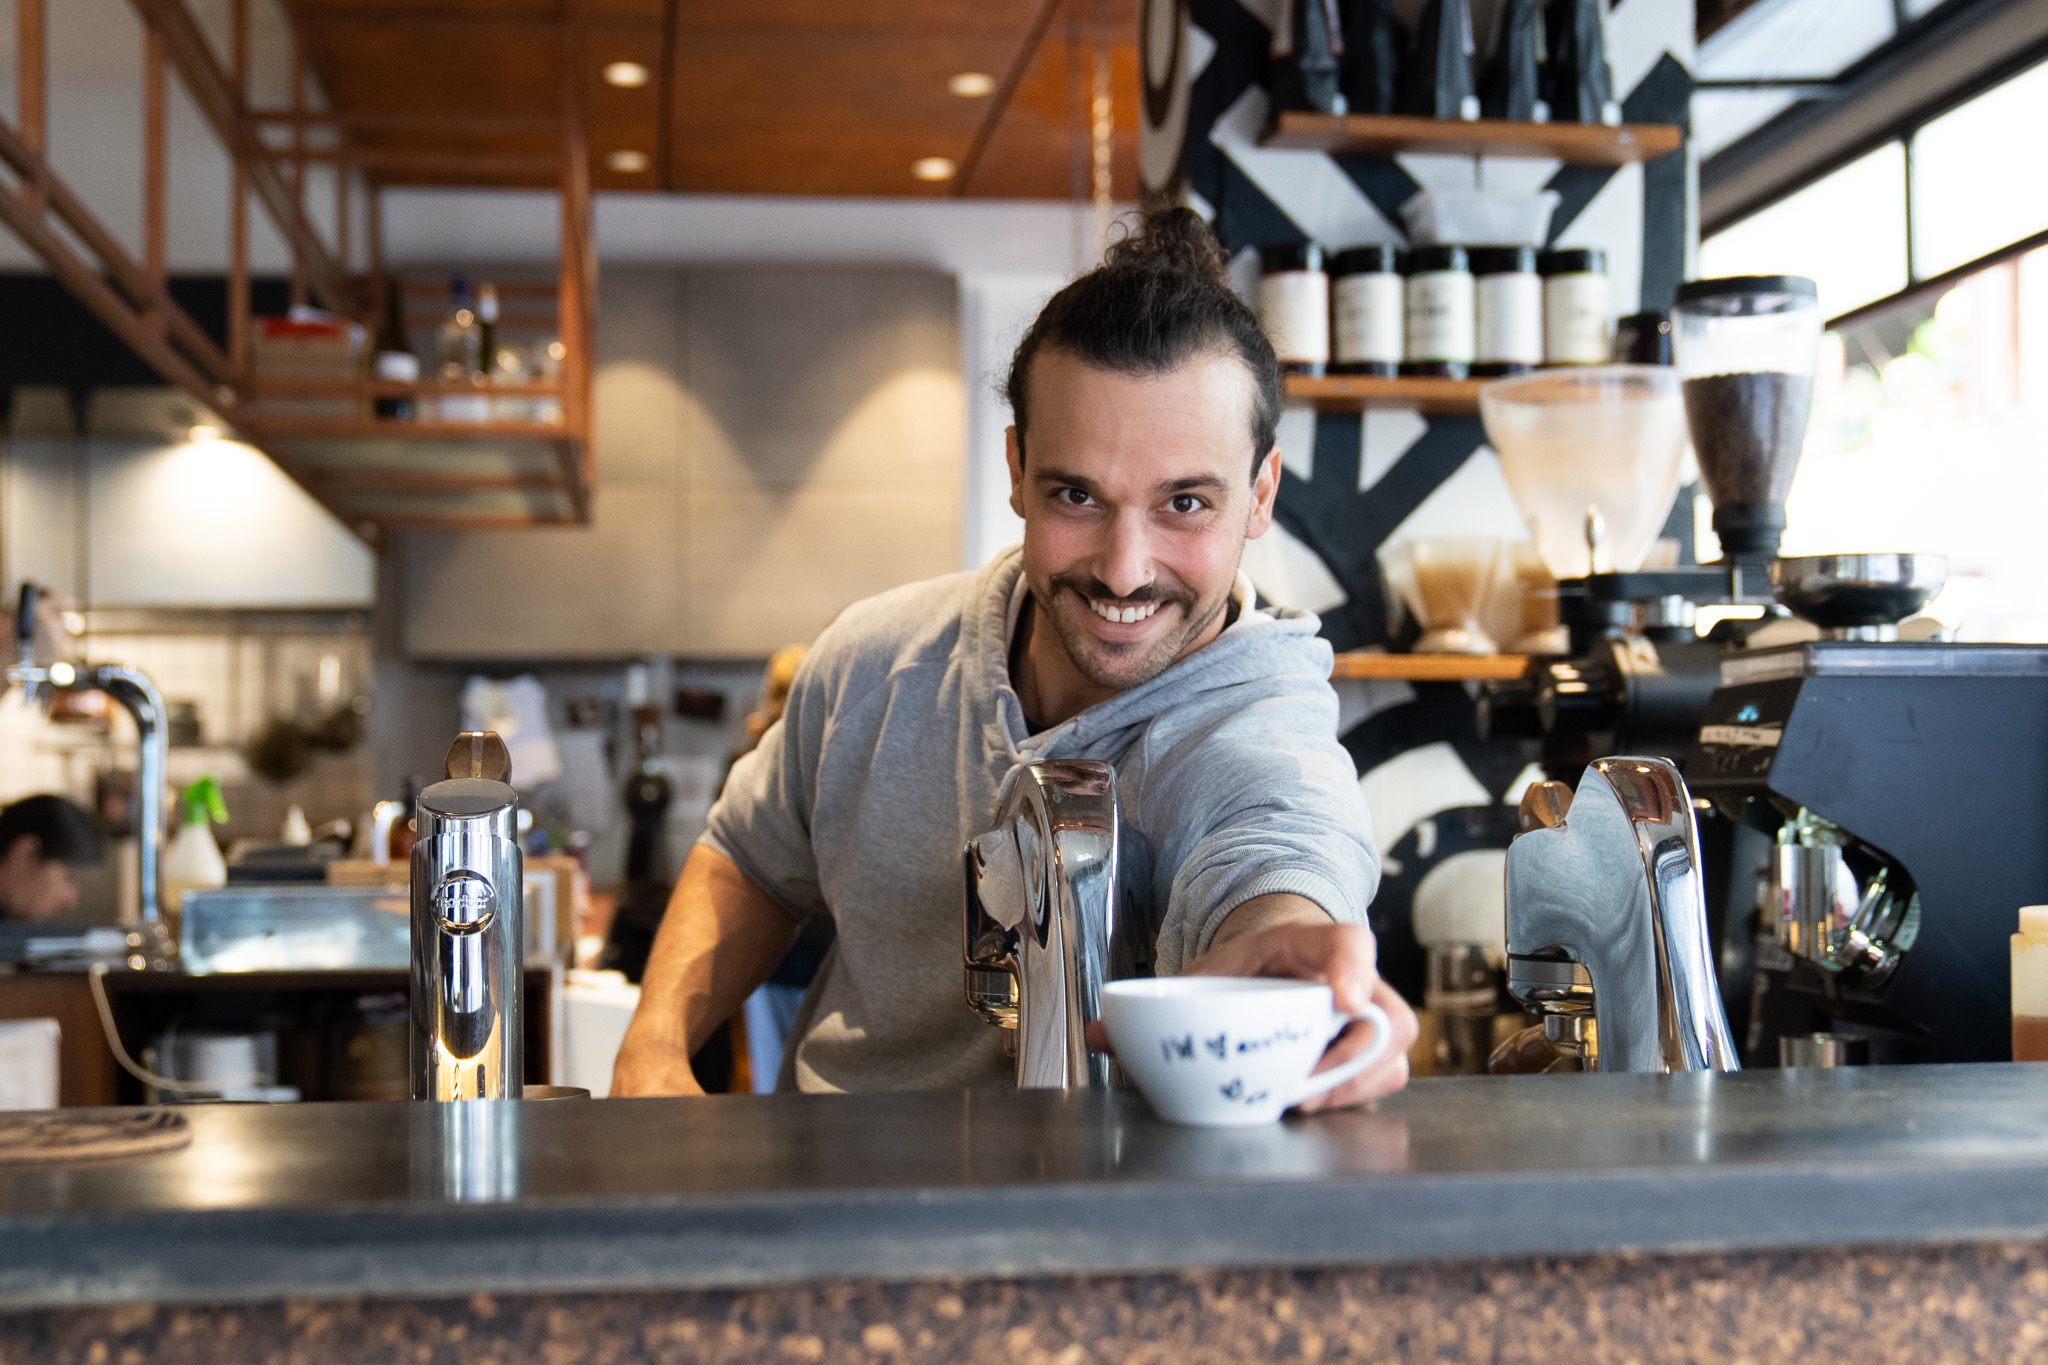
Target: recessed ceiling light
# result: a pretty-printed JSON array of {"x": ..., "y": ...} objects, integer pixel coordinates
[
  {"x": 625, "y": 75},
  {"x": 972, "y": 85},
  {"x": 933, "y": 168},
  {"x": 626, "y": 162}
]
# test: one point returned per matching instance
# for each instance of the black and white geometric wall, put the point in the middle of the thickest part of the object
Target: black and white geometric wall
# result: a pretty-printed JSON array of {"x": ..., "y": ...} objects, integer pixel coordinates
[{"x": 1441, "y": 798}]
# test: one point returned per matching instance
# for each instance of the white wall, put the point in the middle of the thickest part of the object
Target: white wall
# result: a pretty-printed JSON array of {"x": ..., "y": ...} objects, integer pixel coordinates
[{"x": 164, "y": 521}]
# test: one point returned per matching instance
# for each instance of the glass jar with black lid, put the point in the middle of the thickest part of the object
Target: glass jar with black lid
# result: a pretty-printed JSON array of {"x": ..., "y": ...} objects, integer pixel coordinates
[
  {"x": 1509, "y": 299},
  {"x": 1294, "y": 306},
  {"x": 1440, "y": 312},
  {"x": 1366, "y": 311}
]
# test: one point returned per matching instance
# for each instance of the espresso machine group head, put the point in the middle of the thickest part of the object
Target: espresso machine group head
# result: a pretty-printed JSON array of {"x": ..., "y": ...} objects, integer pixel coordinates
[
  {"x": 1044, "y": 925},
  {"x": 468, "y": 929},
  {"x": 1607, "y": 924}
]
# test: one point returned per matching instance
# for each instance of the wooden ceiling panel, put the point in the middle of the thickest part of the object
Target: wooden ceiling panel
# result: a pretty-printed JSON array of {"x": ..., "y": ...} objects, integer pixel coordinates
[{"x": 763, "y": 97}]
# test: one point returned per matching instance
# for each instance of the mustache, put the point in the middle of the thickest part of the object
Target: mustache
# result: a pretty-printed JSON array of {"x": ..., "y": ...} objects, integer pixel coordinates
[{"x": 1087, "y": 585}]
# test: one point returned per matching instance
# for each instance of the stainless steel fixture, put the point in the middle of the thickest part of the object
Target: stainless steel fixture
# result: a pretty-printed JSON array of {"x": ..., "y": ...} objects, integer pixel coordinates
[
  {"x": 1858, "y": 597},
  {"x": 467, "y": 907},
  {"x": 132, "y": 689},
  {"x": 1823, "y": 1049},
  {"x": 1042, "y": 925},
  {"x": 1606, "y": 917}
]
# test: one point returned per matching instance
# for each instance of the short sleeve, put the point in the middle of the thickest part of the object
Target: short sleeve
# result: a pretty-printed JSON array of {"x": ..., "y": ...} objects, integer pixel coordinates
[{"x": 762, "y": 820}]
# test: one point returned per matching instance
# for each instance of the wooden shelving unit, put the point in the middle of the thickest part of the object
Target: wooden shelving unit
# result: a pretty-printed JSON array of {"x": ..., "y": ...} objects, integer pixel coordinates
[
  {"x": 370, "y": 472},
  {"x": 1357, "y": 392},
  {"x": 1431, "y": 667},
  {"x": 1594, "y": 144}
]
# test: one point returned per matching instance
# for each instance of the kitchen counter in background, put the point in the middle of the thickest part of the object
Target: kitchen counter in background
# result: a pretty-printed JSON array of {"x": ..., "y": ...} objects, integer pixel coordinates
[{"x": 1500, "y": 1195}]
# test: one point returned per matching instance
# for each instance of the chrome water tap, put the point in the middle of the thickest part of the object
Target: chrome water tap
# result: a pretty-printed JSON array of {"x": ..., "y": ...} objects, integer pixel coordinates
[
  {"x": 1606, "y": 918},
  {"x": 1042, "y": 928},
  {"x": 468, "y": 929},
  {"x": 133, "y": 691}
]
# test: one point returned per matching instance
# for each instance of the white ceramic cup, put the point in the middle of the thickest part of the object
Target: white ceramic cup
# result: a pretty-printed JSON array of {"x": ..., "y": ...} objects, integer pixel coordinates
[{"x": 1231, "y": 1051}]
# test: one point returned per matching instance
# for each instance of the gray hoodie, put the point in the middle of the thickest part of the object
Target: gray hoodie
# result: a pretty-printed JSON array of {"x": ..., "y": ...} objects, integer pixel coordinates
[{"x": 901, "y": 730}]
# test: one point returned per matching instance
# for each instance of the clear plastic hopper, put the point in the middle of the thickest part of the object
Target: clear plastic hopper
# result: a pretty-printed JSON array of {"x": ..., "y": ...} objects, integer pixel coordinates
[{"x": 1592, "y": 457}]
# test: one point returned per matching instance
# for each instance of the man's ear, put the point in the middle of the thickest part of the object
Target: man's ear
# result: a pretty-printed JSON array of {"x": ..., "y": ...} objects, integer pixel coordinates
[
  {"x": 1013, "y": 452},
  {"x": 1265, "y": 488},
  {"x": 26, "y": 850}
]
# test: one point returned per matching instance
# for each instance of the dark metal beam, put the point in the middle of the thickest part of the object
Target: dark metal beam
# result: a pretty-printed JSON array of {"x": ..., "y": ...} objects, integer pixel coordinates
[{"x": 1951, "y": 54}]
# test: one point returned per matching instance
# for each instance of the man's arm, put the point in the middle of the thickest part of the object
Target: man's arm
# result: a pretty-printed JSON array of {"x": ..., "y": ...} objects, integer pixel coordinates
[
  {"x": 1283, "y": 935},
  {"x": 720, "y": 938}
]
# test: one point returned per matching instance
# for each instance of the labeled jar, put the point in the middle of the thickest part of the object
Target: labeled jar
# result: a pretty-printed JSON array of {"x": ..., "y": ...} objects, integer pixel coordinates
[
  {"x": 1366, "y": 311},
  {"x": 1575, "y": 306},
  {"x": 1509, "y": 295},
  {"x": 1294, "y": 306},
  {"x": 1440, "y": 313}
]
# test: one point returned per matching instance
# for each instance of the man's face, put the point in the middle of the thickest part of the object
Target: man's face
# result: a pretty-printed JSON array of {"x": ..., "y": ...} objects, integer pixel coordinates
[
  {"x": 33, "y": 887},
  {"x": 1137, "y": 499}
]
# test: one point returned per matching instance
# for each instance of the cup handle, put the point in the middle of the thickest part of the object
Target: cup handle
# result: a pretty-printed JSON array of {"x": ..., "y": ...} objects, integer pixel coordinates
[{"x": 1383, "y": 1034}]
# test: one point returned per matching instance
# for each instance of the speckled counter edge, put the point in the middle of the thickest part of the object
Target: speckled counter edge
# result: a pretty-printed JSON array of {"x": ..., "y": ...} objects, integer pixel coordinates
[{"x": 1984, "y": 1302}]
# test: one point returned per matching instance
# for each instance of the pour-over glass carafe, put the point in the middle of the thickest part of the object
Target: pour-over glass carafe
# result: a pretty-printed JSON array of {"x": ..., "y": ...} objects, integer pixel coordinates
[
  {"x": 1745, "y": 348},
  {"x": 1591, "y": 455}
]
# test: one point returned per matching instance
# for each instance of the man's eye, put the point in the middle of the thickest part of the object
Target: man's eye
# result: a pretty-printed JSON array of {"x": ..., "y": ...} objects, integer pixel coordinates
[
  {"x": 1187, "y": 503},
  {"x": 1073, "y": 497}
]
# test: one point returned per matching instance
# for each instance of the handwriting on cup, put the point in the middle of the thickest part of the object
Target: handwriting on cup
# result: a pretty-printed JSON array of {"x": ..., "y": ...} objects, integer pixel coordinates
[{"x": 1222, "y": 1046}]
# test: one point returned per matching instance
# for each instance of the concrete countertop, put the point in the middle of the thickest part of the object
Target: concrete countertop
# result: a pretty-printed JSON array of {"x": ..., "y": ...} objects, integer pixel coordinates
[{"x": 410, "y": 1199}]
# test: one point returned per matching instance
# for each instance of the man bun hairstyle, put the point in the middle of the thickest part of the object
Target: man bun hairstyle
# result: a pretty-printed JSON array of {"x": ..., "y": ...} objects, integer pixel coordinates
[{"x": 1161, "y": 297}]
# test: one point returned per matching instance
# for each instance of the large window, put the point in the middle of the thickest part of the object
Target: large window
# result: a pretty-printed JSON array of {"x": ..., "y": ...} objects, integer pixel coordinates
[
  {"x": 1976, "y": 187},
  {"x": 1970, "y": 196},
  {"x": 1845, "y": 231}
]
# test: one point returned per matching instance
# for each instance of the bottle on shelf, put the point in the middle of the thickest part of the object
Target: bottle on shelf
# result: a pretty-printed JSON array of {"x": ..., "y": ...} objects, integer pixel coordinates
[
  {"x": 1294, "y": 305},
  {"x": 1308, "y": 40},
  {"x": 1370, "y": 71},
  {"x": 2030, "y": 986},
  {"x": 1512, "y": 87},
  {"x": 487, "y": 328},
  {"x": 1438, "y": 80},
  {"x": 395, "y": 359},
  {"x": 1581, "y": 84},
  {"x": 460, "y": 356}
]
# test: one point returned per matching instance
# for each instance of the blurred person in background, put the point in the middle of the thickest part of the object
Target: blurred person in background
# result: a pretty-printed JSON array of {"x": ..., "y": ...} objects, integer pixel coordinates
[{"x": 43, "y": 841}]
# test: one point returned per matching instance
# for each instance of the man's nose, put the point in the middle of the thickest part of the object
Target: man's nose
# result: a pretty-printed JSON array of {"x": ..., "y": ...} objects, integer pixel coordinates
[{"x": 1125, "y": 564}]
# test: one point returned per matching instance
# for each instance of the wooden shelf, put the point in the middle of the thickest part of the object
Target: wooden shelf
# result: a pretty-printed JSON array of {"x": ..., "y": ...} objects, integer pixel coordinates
[
  {"x": 1431, "y": 667},
  {"x": 1594, "y": 144},
  {"x": 1357, "y": 392}
]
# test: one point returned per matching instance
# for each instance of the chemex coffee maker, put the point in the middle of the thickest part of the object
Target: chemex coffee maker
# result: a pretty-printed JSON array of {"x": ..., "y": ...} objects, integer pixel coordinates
[{"x": 1593, "y": 457}]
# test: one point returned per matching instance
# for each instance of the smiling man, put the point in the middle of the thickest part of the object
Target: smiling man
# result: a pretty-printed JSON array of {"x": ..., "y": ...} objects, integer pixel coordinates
[{"x": 1143, "y": 458}]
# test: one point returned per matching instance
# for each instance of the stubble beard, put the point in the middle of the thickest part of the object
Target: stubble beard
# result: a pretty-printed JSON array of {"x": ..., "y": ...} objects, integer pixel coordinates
[{"x": 1114, "y": 666}]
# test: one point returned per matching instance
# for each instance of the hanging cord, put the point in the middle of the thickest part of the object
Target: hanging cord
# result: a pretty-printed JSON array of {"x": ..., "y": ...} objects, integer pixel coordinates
[{"x": 95, "y": 978}]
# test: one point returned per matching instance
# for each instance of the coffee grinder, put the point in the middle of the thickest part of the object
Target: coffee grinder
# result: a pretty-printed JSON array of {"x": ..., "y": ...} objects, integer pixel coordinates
[{"x": 1592, "y": 458}]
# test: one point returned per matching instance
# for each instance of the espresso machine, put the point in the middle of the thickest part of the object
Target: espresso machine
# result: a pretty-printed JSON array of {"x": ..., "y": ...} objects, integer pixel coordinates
[
  {"x": 468, "y": 929},
  {"x": 1903, "y": 790}
]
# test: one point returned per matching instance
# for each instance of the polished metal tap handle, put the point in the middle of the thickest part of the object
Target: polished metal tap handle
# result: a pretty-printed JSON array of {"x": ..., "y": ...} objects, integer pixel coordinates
[
  {"x": 1042, "y": 930},
  {"x": 1615, "y": 887},
  {"x": 468, "y": 930}
]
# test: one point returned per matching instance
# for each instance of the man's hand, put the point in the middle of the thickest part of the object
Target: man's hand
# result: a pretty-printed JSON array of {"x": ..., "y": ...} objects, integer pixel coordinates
[
  {"x": 1341, "y": 956},
  {"x": 651, "y": 1068}
]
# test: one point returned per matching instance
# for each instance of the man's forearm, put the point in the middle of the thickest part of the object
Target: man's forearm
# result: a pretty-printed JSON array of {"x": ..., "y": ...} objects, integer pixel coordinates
[
  {"x": 1267, "y": 912},
  {"x": 719, "y": 939}
]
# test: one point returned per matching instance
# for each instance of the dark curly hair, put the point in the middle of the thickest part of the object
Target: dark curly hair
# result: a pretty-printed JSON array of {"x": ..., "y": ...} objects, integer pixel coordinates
[{"x": 1160, "y": 297}]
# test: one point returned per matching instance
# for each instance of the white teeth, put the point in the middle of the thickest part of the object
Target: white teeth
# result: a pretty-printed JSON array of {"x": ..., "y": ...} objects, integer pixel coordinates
[{"x": 1122, "y": 615}]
